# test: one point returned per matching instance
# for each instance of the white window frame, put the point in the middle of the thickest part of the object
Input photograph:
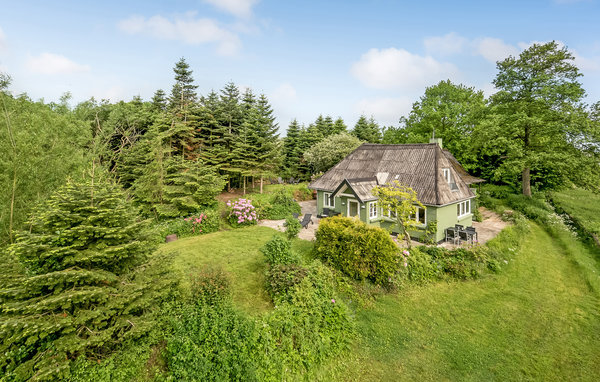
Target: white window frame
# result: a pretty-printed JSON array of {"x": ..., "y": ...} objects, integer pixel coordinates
[
  {"x": 447, "y": 175},
  {"x": 463, "y": 208},
  {"x": 373, "y": 210},
  {"x": 417, "y": 214},
  {"x": 328, "y": 199}
]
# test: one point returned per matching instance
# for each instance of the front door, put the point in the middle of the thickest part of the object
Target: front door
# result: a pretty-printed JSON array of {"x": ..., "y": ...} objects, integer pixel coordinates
[{"x": 353, "y": 207}]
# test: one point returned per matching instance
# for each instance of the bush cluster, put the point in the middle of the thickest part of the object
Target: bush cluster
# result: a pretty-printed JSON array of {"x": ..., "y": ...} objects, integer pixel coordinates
[
  {"x": 214, "y": 342},
  {"x": 281, "y": 279},
  {"x": 278, "y": 251},
  {"x": 292, "y": 227},
  {"x": 198, "y": 224},
  {"x": 358, "y": 250},
  {"x": 242, "y": 213},
  {"x": 277, "y": 206}
]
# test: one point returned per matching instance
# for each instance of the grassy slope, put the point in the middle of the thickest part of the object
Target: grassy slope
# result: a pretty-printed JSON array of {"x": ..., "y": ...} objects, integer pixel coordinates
[
  {"x": 238, "y": 253},
  {"x": 582, "y": 205},
  {"x": 536, "y": 320}
]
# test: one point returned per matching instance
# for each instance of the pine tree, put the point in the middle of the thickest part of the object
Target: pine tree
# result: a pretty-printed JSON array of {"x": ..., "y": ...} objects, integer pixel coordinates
[
  {"x": 79, "y": 296},
  {"x": 159, "y": 100},
  {"x": 367, "y": 130},
  {"x": 183, "y": 94},
  {"x": 339, "y": 126},
  {"x": 231, "y": 118},
  {"x": 211, "y": 133},
  {"x": 291, "y": 153},
  {"x": 266, "y": 140}
]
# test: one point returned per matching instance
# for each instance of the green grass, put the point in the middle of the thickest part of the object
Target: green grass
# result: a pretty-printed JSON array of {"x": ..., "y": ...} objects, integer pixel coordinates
[
  {"x": 537, "y": 320},
  {"x": 238, "y": 253},
  {"x": 581, "y": 205}
]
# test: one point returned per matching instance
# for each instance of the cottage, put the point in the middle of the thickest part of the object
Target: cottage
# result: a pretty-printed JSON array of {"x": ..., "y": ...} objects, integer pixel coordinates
[{"x": 441, "y": 183}]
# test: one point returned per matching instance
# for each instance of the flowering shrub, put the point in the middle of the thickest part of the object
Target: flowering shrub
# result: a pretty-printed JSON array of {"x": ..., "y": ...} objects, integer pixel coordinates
[
  {"x": 242, "y": 213},
  {"x": 203, "y": 223},
  {"x": 196, "y": 222}
]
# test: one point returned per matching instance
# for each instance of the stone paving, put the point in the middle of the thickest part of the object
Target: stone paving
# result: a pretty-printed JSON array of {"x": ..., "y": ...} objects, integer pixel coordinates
[{"x": 308, "y": 233}]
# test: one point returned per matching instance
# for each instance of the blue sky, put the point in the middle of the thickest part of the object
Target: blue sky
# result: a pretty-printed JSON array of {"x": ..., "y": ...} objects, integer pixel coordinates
[{"x": 342, "y": 58}]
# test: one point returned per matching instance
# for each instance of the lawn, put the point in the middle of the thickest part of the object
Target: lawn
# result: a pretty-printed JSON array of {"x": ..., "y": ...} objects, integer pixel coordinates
[
  {"x": 581, "y": 205},
  {"x": 238, "y": 253},
  {"x": 537, "y": 320}
]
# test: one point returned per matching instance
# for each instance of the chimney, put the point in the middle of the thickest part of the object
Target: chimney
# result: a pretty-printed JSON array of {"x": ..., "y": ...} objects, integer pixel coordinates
[{"x": 438, "y": 141}]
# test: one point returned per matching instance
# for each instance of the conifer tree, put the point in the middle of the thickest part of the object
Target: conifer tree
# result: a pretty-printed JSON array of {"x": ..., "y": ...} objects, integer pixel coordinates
[
  {"x": 339, "y": 126},
  {"x": 367, "y": 130},
  {"x": 291, "y": 153},
  {"x": 231, "y": 118},
  {"x": 183, "y": 94},
  {"x": 211, "y": 133},
  {"x": 79, "y": 296},
  {"x": 266, "y": 140},
  {"x": 159, "y": 100}
]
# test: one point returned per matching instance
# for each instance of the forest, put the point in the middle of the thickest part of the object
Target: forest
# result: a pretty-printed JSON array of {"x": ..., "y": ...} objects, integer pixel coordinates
[{"x": 86, "y": 188}]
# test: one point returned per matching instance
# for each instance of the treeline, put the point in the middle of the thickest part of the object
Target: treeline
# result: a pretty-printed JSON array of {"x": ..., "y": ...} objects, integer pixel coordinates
[{"x": 534, "y": 132}]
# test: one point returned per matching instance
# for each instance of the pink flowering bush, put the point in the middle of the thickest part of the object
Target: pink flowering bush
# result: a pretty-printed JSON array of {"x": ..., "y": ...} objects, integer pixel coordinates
[{"x": 242, "y": 213}]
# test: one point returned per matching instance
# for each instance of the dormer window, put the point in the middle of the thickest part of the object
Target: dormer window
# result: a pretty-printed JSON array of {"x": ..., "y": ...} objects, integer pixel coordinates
[
  {"x": 447, "y": 176},
  {"x": 449, "y": 179}
]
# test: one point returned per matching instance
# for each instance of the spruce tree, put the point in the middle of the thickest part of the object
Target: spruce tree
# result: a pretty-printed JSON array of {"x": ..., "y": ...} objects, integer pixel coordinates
[
  {"x": 183, "y": 93},
  {"x": 159, "y": 100},
  {"x": 291, "y": 153},
  {"x": 339, "y": 126},
  {"x": 367, "y": 130},
  {"x": 266, "y": 140},
  {"x": 210, "y": 134},
  {"x": 231, "y": 118},
  {"x": 79, "y": 296}
]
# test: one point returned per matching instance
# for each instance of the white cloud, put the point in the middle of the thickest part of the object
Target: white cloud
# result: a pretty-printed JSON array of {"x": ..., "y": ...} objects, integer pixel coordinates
[
  {"x": 284, "y": 92},
  {"x": 494, "y": 49},
  {"x": 50, "y": 63},
  {"x": 399, "y": 69},
  {"x": 387, "y": 111},
  {"x": 450, "y": 43},
  {"x": 188, "y": 29},
  {"x": 238, "y": 8}
]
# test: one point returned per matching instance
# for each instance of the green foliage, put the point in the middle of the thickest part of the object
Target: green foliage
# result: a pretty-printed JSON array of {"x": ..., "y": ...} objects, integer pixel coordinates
[
  {"x": 367, "y": 130},
  {"x": 79, "y": 296},
  {"x": 40, "y": 148},
  {"x": 292, "y": 227},
  {"x": 357, "y": 249},
  {"x": 421, "y": 267},
  {"x": 278, "y": 251},
  {"x": 276, "y": 206},
  {"x": 533, "y": 117},
  {"x": 282, "y": 278},
  {"x": 582, "y": 206},
  {"x": 330, "y": 151},
  {"x": 401, "y": 201},
  {"x": 185, "y": 227}
]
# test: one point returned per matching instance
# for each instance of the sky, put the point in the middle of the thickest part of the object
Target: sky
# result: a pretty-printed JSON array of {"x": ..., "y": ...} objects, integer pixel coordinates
[{"x": 338, "y": 58}]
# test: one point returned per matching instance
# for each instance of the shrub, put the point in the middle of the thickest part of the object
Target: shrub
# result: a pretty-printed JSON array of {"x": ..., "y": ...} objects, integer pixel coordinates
[
  {"x": 242, "y": 213},
  {"x": 358, "y": 250},
  {"x": 278, "y": 250},
  {"x": 281, "y": 279},
  {"x": 198, "y": 224},
  {"x": 421, "y": 267},
  {"x": 211, "y": 285},
  {"x": 292, "y": 227},
  {"x": 279, "y": 206}
]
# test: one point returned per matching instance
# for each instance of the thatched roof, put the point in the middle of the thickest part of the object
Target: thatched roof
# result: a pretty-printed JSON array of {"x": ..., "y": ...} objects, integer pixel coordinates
[
  {"x": 418, "y": 166},
  {"x": 469, "y": 179}
]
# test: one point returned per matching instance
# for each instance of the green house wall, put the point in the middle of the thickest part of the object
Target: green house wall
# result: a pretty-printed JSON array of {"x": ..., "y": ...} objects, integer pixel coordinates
[{"x": 446, "y": 216}]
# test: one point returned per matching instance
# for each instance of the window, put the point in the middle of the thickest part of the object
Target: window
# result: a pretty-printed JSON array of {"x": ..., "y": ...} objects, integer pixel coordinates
[
  {"x": 390, "y": 214},
  {"x": 329, "y": 200},
  {"x": 373, "y": 210},
  {"x": 463, "y": 208},
  {"x": 419, "y": 216},
  {"x": 447, "y": 175}
]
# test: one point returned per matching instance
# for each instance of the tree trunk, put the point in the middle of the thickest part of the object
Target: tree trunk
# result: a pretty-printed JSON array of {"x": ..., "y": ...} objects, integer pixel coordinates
[
  {"x": 244, "y": 185},
  {"x": 526, "y": 181},
  {"x": 261, "y": 184}
]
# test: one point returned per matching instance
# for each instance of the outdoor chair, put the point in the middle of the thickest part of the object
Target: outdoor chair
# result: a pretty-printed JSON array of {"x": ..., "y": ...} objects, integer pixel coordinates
[
  {"x": 472, "y": 233},
  {"x": 325, "y": 214},
  {"x": 305, "y": 220},
  {"x": 459, "y": 227},
  {"x": 452, "y": 234},
  {"x": 463, "y": 236}
]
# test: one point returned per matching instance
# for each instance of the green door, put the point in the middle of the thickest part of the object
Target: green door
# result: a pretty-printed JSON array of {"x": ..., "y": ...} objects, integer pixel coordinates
[{"x": 353, "y": 208}]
